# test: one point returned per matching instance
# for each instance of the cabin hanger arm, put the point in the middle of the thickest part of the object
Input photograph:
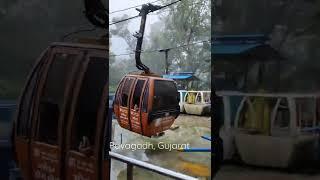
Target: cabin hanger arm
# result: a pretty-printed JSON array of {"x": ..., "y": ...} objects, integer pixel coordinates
[{"x": 146, "y": 8}]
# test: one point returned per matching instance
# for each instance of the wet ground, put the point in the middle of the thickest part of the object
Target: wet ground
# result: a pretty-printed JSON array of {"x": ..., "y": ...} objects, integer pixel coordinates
[
  {"x": 241, "y": 172},
  {"x": 191, "y": 128}
]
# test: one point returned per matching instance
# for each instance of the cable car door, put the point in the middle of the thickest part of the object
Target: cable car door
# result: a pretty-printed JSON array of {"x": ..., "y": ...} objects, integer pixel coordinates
[
  {"x": 22, "y": 126},
  {"x": 49, "y": 117},
  {"x": 125, "y": 94},
  {"x": 136, "y": 120},
  {"x": 87, "y": 118}
]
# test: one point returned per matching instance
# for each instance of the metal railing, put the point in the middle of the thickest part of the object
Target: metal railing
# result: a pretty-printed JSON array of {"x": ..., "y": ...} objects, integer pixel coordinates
[{"x": 133, "y": 162}]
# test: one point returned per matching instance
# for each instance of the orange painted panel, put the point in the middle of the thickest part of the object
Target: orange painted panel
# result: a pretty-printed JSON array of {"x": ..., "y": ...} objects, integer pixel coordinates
[
  {"x": 147, "y": 131},
  {"x": 123, "y": 117},
  {"x": 45, "y": 161},
  {"x": 80, "y": 166},
  {"x": 135, "y": 121},
  {"x": 22, "y": 154}
]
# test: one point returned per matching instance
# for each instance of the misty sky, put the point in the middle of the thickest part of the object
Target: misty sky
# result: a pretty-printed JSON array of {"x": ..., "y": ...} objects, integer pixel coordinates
[{"x": 118, "y": 44}]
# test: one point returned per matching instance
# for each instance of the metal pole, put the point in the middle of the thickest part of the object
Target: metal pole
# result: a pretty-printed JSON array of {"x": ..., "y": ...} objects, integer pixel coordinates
[
  {"x": 146, "y": 8},
  {"x": 139, "y": 36},
  {"x": 167, "y": 64},
  {"x": 129, "y": 171},
  {"x": 166, "y": 70}
]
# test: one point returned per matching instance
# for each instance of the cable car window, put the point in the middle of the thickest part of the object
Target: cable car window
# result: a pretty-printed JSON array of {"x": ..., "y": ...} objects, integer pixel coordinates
[
  {"x": 137, "y": 94},
  {"x": 84, "y": 125},
  {"x": 52, "y": 97},
  {"x": 283, "y": 115},
  {"x": 165, "y": 95},
  {"x": 199, "y": 98},
  {"x": 116, "y": 98},
  {"x": 191, "y": 97},
  {"x": 145, "y": 99},
  {"x": 251, "y": 117},
  {"x": 126, "y": 91},
  {"x": 24, "y": 117},
  {"x": 206, "y": 96},
  {"x": 244, "y": 116},
  {"x": 306, "y": 110}
]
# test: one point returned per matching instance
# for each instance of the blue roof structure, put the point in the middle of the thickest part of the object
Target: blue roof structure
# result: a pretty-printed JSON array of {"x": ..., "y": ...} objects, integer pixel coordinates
[
  {"x": 168, "y": 76},
  {"x": 179, "y": 76},
  {"x": 233, "y": 49},
  {"x": 237, "y": 44},
  {"x": 243, "y": 37}
]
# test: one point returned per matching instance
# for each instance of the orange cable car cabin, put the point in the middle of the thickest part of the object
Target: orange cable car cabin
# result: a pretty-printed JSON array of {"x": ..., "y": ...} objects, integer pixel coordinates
[
  {"x": 60, "y": 129},
  {"x": 146, "y": 104}
]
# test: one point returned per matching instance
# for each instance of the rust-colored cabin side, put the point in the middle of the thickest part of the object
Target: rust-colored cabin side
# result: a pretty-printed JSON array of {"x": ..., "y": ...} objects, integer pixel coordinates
[
  {"x": 142, "y": 118},
  {"x": 71, "y": 70}
]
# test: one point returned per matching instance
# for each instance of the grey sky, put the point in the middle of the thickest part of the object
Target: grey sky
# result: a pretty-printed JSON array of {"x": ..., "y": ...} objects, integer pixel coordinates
[{"x": 118, "y": 44}]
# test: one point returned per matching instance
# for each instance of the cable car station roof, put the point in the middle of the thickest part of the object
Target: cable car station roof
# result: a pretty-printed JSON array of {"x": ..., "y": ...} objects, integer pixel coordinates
[
  {"x": 253, "y": 46},
  {"x": 180, "y": 76}
]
